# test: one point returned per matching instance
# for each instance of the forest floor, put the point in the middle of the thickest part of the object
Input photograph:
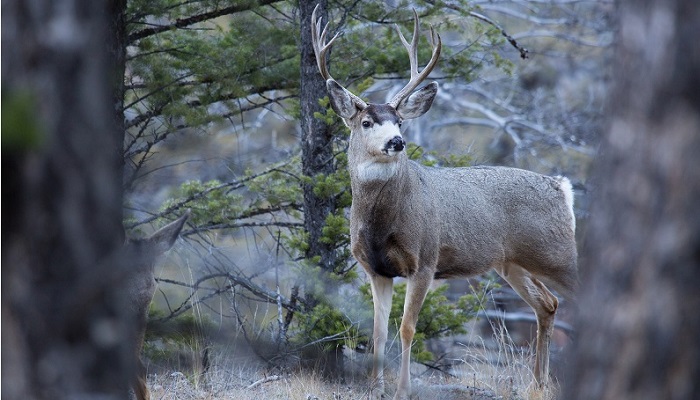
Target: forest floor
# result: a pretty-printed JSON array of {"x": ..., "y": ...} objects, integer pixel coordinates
[{"x": 478, "y": 370}]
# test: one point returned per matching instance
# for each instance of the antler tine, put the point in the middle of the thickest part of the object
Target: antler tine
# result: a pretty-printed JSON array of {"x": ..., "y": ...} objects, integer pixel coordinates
[
  {"x": 412, "y": 48},
  {"x": 321, "y": 48},
  {"x": 319, "y": 45}
]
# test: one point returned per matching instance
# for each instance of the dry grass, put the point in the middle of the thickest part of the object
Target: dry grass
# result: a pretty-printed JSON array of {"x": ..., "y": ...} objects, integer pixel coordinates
[
  {"x": 491, "y": 369},
  {"x": 290, "y": 386},
  {"x": 503, "y": 368}
]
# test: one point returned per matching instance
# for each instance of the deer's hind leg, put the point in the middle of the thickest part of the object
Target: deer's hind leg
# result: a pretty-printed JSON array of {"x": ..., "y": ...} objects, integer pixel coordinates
[{"x": 544, "y": 304}]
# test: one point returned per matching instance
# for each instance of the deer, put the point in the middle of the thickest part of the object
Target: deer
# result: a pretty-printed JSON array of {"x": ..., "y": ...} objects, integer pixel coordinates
[
  {"x": 141, "y": 286},
  {"x": 425, "y": 223}
]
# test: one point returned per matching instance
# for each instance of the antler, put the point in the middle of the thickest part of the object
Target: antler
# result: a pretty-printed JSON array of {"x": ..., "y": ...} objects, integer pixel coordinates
[
  {"x": 412, "y": 48},
  {"x": 320, "y": 50}
]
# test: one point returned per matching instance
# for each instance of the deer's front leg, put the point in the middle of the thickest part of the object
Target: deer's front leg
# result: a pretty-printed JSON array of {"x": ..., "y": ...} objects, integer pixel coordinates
[
  {"x": 417, "y": 288},
  {"x": 382, "y": 290}
]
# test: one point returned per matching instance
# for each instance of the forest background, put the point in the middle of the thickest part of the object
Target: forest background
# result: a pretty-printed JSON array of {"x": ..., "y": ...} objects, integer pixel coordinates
[
  {"x": 221, "y": 119},
  {"x": 220, "y": 109}
]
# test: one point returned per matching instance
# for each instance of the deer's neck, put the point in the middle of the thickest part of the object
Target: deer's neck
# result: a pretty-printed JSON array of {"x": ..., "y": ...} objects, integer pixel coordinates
[
  {"x": 378, "y": 186},
  {"x": 371, "y": 171}
]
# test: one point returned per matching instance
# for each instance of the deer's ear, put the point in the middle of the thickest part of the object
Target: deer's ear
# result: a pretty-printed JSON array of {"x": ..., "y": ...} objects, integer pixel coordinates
[
  {"x": 342, "y": 101},
  {"x": 419, "y": 102},
  {"x": 163, "y": 239}
]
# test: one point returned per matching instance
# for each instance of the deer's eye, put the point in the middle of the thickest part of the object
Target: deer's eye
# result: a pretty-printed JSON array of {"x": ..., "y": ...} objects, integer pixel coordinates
[
  {"x": 400, "y": 122},
  {"x": 366, "y": 124}
]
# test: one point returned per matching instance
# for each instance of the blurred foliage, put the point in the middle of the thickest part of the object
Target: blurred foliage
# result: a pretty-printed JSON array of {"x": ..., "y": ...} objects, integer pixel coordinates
[
  {"x": 21, "y": 130},
  {"x": 183, "y": 329},
  {"x": 179, "y": 342},
  {"x": 435, "y": 159}
]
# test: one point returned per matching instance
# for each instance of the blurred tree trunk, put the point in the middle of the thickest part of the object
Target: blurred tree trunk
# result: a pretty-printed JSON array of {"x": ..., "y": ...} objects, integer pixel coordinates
[
  {"x": 117, "y": 43},
  {"x": 639, "y": 321},
  {"x": 317, "y": 158},
  {"x": 63, "y": 328}
]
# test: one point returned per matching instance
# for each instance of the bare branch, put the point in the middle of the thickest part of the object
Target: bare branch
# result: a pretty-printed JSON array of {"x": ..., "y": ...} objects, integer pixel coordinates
[
  {"x": 260, "y": 292},
  {"x": 523, "y": 51},
  {"x": 525, "y": 17}
]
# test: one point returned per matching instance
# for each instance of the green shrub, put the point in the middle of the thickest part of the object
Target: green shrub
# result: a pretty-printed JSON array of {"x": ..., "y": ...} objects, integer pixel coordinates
[{"x": 438, "y": 317}]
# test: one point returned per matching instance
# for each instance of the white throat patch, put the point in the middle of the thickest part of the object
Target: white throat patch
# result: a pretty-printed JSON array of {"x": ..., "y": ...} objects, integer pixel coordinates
[{"x": 370, "y": 171}]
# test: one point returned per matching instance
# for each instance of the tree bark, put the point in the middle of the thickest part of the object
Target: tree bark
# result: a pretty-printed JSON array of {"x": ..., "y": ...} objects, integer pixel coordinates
[
  {"x": 316, "y": 140},
  {"x": 639, "y": 320},
  {"x": 64, "y": 329},
  {"x": 117, "y": 43},
  {"x": 317, "y": 158}
]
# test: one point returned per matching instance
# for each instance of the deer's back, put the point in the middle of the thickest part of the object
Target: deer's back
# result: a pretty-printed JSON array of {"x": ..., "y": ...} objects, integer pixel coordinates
[{"x": 489, "y": 216}]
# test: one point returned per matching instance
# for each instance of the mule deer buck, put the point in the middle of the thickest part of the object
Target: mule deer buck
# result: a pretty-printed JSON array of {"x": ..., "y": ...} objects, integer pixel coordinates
[
  {"x": 424, "y": 223},
  {"x": 142, "y": 286}
]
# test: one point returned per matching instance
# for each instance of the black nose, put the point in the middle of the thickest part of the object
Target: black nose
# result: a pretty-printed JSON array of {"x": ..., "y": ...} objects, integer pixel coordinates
[{"x": 397, "y": 143}]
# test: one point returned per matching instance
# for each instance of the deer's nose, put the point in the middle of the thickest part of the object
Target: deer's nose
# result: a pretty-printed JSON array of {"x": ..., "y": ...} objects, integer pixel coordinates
[{"x": 396, "y": 143}]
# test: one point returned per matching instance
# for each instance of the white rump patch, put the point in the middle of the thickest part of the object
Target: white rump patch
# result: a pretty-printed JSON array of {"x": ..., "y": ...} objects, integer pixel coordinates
[{"x": 565, "y": 186}]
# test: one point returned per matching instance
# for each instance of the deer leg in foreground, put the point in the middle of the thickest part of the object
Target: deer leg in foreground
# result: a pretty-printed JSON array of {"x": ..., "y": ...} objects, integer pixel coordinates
[
  {"x": 382, "y": 290},
  {"x": 140, "y": 388},
  {"x": 545, "y": 304},
  {"x": 416, "y": 290},
  {"x": 140, "y": 378}
]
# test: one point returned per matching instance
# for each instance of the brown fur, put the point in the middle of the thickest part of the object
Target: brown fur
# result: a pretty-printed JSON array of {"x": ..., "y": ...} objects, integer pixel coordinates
[
  {"x": 423, "y": 223},
  {"x": 143, "y": 253}
]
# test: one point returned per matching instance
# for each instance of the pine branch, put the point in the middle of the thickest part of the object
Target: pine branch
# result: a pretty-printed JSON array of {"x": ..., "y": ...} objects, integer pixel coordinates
[
  {"x": 236, "y": 225},
  {"x": 231, "y": 185},
  {"x": 185, "y": 22}
]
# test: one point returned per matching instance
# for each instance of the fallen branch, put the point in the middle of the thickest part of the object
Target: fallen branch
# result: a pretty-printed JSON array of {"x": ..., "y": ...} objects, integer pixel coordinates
[{"x": 257, "y": 383}]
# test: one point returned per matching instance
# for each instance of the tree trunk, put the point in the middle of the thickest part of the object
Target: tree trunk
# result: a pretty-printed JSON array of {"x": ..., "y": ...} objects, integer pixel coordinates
[
  {"x": 317, "y": 158},
  {"x": 639, "y": 320},
  {"x": 117, "y": 42},
  {"x": 316, "y": 141},
  {"x": 63, "y": 325}
]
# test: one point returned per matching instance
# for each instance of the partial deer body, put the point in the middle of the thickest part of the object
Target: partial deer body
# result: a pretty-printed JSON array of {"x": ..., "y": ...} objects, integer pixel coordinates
[
  {"x": 142, "y": 286},
  {"x": 423, "y": 223}
]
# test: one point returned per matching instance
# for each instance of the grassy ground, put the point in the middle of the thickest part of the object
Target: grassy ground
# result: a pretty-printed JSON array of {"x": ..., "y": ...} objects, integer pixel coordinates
[
  {"x": 221, "y": 385},
  {"x": 491, "y": 369}
]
